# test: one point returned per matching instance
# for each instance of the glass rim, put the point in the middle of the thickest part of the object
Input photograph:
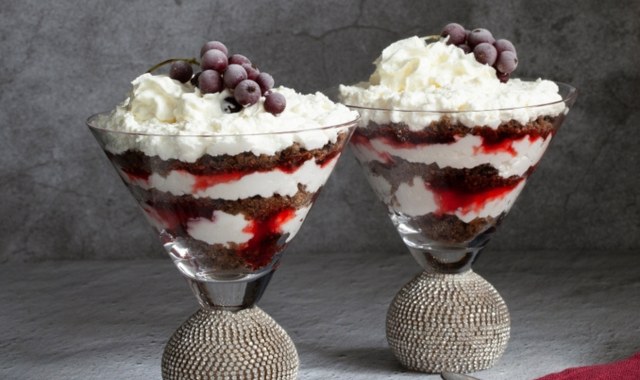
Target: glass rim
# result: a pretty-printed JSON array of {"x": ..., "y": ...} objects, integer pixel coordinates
[
  {"x": 568, "y": 94},
  {"x": 91, "y": 124}
]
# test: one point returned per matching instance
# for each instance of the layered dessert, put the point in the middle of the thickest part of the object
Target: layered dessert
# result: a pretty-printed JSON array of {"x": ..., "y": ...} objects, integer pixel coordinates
[
  {"x": 225, "y": 167},
  {"x": 446, "y": 138}
]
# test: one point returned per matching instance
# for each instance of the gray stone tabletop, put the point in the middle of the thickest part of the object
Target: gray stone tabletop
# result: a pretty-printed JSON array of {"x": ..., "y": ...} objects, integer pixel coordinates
[{"x": 111, "y": 319}]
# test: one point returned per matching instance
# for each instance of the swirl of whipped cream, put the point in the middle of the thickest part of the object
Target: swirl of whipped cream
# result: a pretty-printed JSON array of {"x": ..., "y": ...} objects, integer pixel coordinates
[
  {"x": 410, "y": 65},
  {"x": 411, "y": 75},
  {"x": 166, "y": 118}
]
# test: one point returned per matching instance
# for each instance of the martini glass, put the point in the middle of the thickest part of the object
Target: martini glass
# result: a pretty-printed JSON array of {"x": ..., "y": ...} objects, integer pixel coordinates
[
  {"x": 225, "y": 207},
  {"x": 447, "y": 187}
]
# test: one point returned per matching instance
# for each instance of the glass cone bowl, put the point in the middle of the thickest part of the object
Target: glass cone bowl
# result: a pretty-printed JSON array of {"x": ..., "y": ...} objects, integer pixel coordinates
[
  {"x": 448, "y": 179},
  {"x": 225, "y": 207}
]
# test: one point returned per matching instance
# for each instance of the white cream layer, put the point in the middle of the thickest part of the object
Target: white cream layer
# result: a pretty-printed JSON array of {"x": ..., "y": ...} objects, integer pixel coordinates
[
  {"x": 226, "y": 229},
  {"x": 413, "y": 75},
  {"x": 263, "y": 184},
  {"x": 223, "y": 229},
  {"x": 466, "y": 152},
  {"x": 415, "y": 199}
]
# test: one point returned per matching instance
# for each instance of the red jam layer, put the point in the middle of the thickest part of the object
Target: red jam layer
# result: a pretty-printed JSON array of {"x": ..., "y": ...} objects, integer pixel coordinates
[
  {"x": 489, "y": 145},
  {"x": 451, "y": 200},
  {"x": 267, "y": 239}
]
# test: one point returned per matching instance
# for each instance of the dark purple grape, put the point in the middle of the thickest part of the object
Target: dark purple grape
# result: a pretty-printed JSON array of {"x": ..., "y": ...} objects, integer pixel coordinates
[
  {"x": 252, "y": 72},
  {"x": 247, "y": 93},
  {"x": 214, "y": 60},
  {"x": 210, "y": 82},
  {"x": 181, "y": 71},
  {"x": 504, "y": 45},
  {"x": 466, "y": 48},
  {"x": 195, "y": 78},
  {"x": 229, "y": 105},
  {"x": 275, "y": 103},
  {"x": 480, "y": 35},
  {"x": 239, "y": 59},
  {"x": 213, "y": 45},
  {"x": 507, "y": 62},
  {"x": 456, "y": 33},
  {"x": 485, "y": 53},
  {"x": 234, "y": 75},
  {"x": 504, "y": 77},
  {"x": 265, "y": 81}
]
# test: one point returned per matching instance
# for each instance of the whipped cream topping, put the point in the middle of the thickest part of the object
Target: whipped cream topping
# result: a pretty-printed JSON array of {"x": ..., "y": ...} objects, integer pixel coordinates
[
  {"x": 163, "y": 117},
  {"x": 411, "y": 75}
]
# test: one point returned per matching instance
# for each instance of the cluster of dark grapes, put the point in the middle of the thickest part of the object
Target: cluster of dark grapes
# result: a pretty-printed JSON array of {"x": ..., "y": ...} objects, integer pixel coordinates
[
  {"x": 236, "y": 73},
  {"x": 501, "y": 54}
]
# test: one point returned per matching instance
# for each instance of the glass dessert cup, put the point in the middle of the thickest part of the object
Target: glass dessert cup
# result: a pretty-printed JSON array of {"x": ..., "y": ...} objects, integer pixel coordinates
[
  {"x": 225, "y": 219},
  {"x": 447, "y": 186}
]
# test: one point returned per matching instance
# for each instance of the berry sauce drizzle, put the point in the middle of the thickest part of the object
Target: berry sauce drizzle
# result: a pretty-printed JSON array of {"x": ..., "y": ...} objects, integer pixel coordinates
[
  {"x": 504, "y": 145},
  {"x": 360, "y": 141},
  {"x": 203, "y": 182},
  {"x": 489, "y": 144},
  {"x": 266, "y": 240},
  {"x": 451, "y": 200},
  {"x": 136, "y": 175}
]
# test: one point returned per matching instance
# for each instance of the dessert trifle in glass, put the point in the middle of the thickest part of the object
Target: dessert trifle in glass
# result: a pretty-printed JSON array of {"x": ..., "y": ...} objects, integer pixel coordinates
[
  {"x": 447, "y": 142},
  {"x": 225, "y": 167}
]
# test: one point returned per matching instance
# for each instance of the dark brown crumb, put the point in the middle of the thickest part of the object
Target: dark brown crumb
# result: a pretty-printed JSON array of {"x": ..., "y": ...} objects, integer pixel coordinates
[
  {"x": 253, "y": 208},
  {"x": 223, "y": 259},
  {"x": 472, "y": 180},
  {"x": 220, "y": 258},
  {"x": 449, "y": 229},
  {"x": 446, "y": 131},
  {"x": 137, "y": 162}
]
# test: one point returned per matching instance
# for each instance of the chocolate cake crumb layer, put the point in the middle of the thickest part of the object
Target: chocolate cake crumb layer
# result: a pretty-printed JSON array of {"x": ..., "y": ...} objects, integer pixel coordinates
[
  {"x": 469, "y": 180},
  {"x": 188, "y": 207},
  {"x": 446, "y": 131},
  {"x": 231, "y": 259},
  {"x": 216, "y": 256},
  {"x": 139, "y": 164},
  {"x": 449, "y": 229}
]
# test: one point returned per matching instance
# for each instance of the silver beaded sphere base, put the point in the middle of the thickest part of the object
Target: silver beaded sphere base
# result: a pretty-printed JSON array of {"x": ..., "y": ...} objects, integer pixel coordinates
[
  {"x": 220, "y": 344},
  {"x": 448, "y": 322}
]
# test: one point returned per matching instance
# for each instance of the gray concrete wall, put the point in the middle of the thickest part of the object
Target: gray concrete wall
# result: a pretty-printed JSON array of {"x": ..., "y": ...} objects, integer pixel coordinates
[{"x": 64, "y": 60}]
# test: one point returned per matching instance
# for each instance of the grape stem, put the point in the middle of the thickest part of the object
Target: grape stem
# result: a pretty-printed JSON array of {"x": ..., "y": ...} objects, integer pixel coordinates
[
  {"x": 191, "y": 61},
  {"x": 433, "y": 37}
]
